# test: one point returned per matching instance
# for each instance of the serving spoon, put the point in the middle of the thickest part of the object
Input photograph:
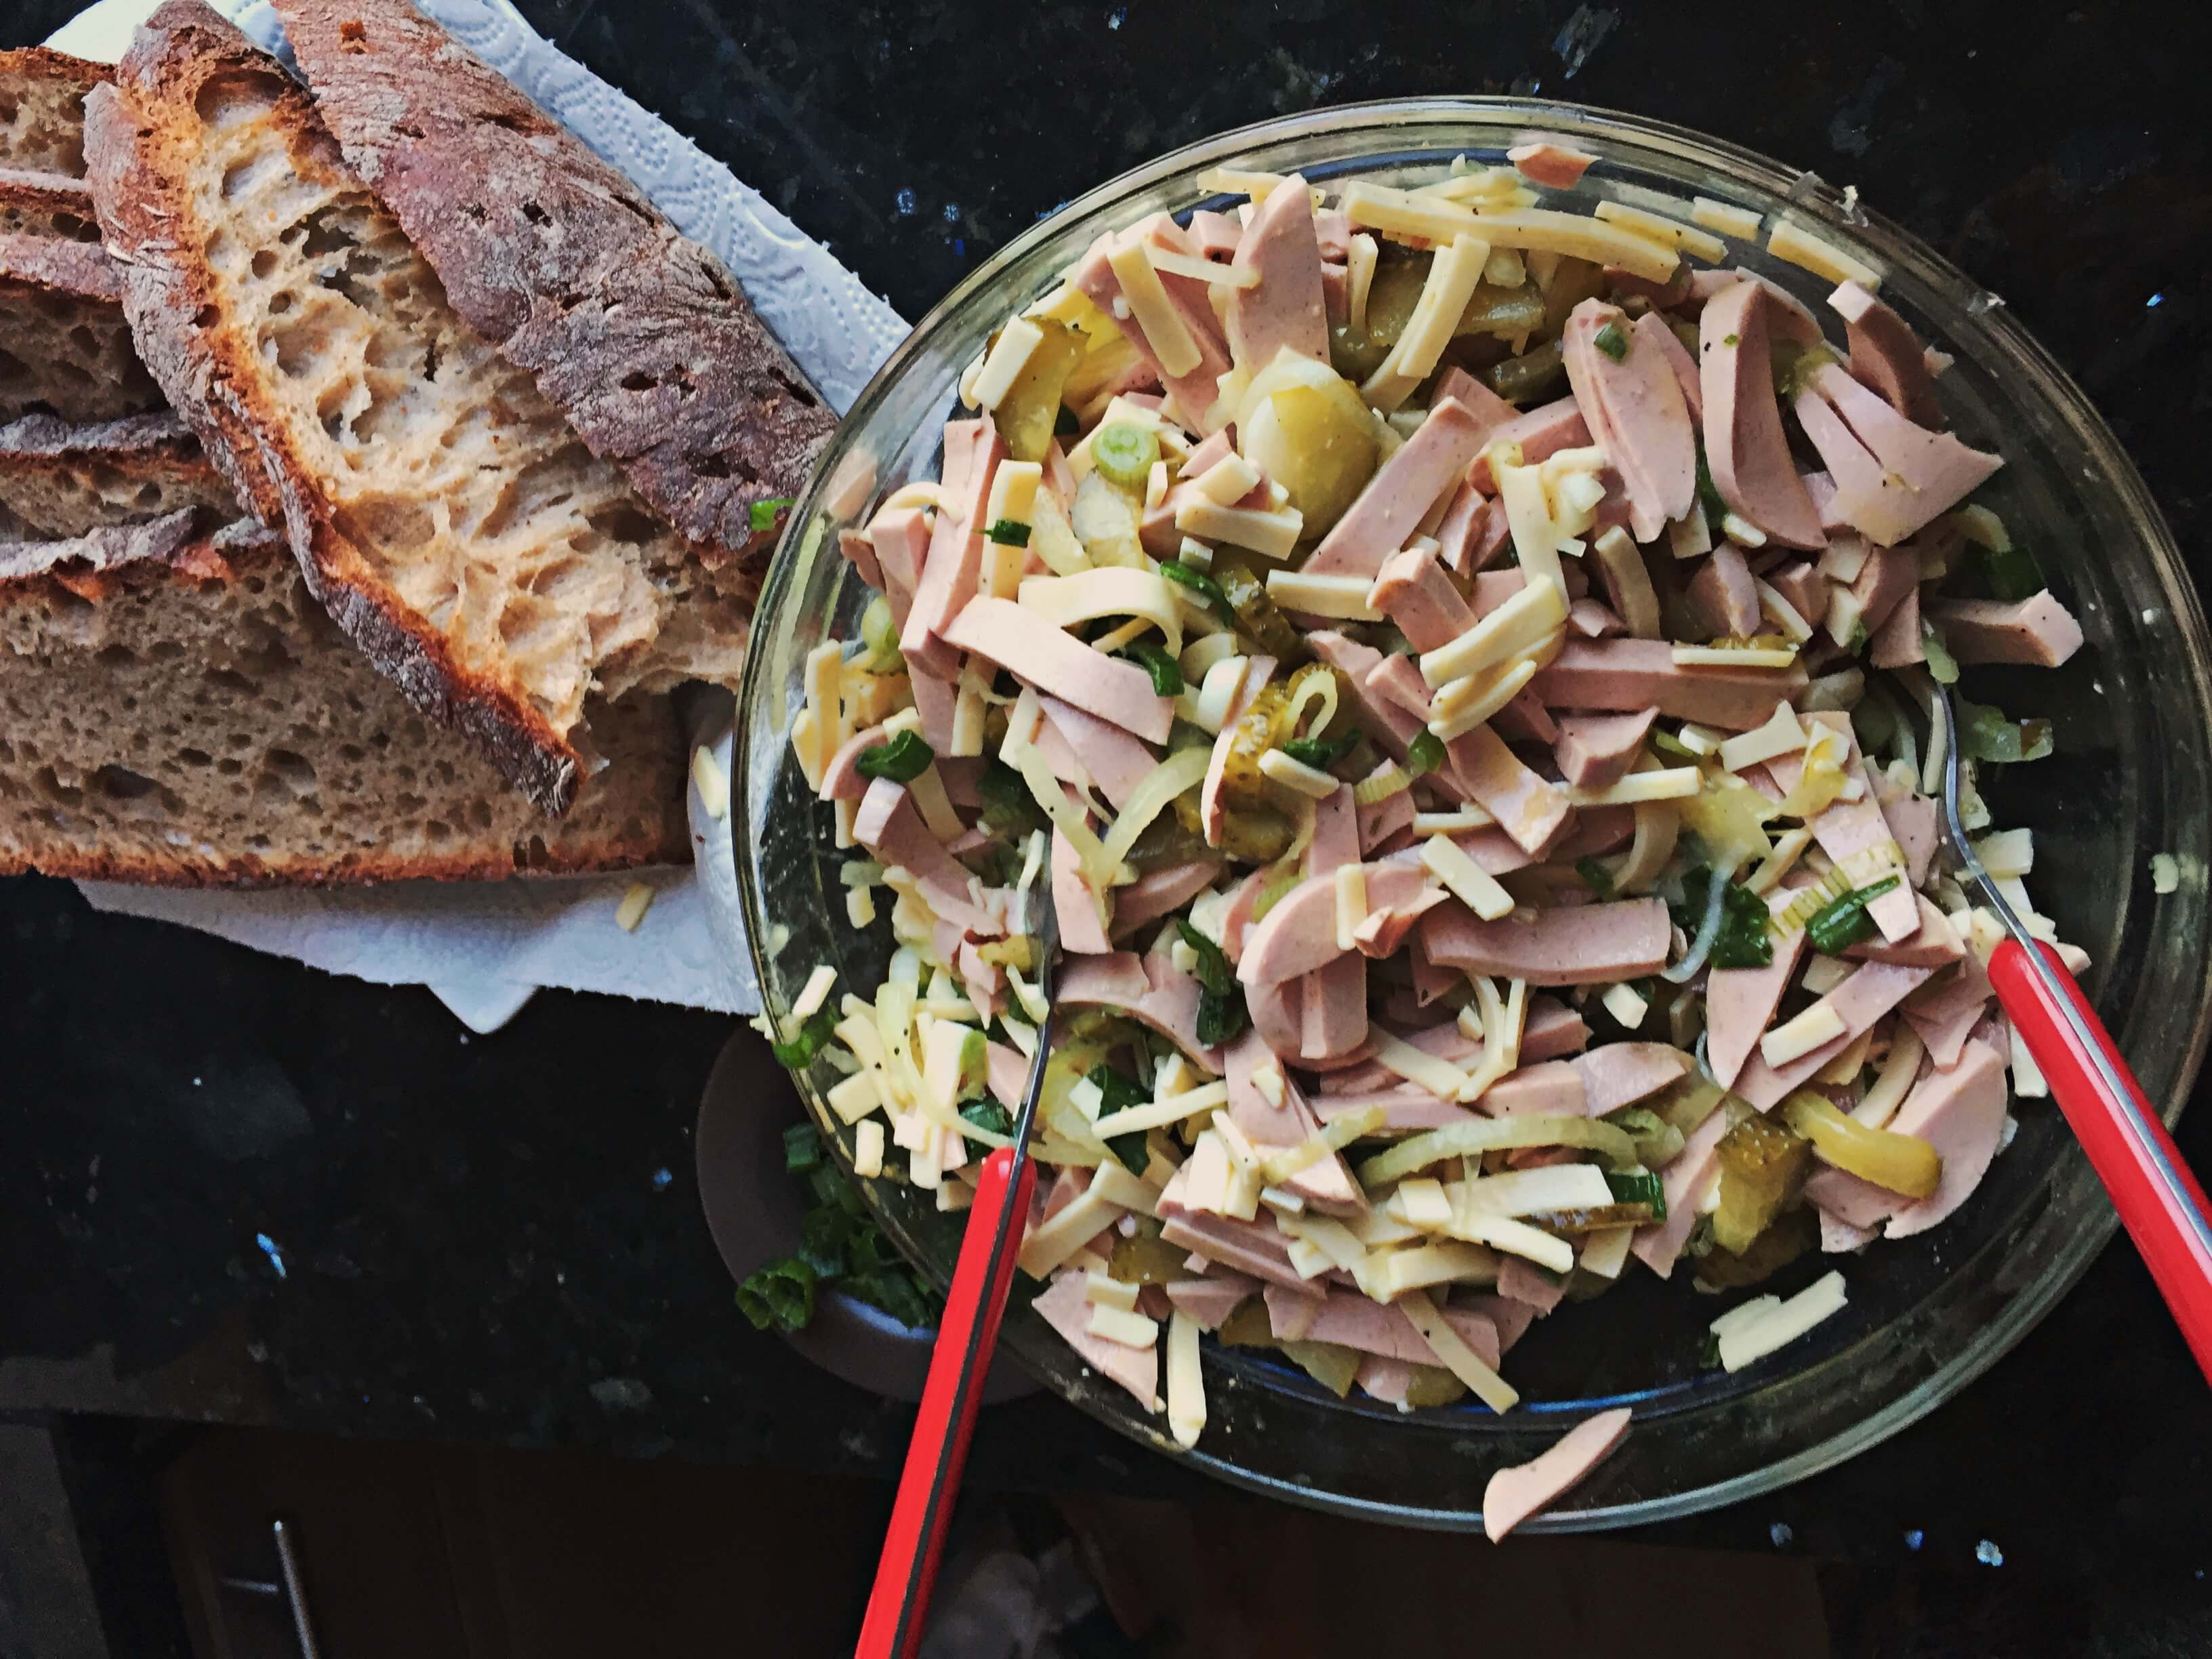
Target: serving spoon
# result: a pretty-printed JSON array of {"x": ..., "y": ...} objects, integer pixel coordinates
[
  {"x": 967, "y": 1334},
  {"x": 2159, "y": 1200}
]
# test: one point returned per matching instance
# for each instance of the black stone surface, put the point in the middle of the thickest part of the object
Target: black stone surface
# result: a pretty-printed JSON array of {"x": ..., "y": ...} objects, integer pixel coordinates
[{"x": 232, "y": 1190}]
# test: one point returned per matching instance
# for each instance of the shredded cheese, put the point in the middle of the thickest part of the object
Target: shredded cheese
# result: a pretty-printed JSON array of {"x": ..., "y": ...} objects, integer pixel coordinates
[
  {"x": 1551, "y": 231},
  {"x": 1667, "y": 783},
  {"x": 1308, "y": 781},
  {"x": 1780, "y": 735},
  {"x": 1470, "y": 884},
  {"x": 1438, "y": 1076},
  {"x": 1659, "y": 228},
  {"x": 714, "y": 787},
  {"x": 1520, "y": 624},
  {"x": 815, "y": 993},
  {"x": 1515, "y": 1238},
  {"x": 1186, "y": 1382},
  {"x": 1017, "y": 343},
  {"x": 1421, "y": 1202},
  {"x": 1351, "y": 903},
  {"x": 1150, "y": 309},
  {"x": 1169, "y": 262},
  {"x": 1462, "y": 1361},
  {"x": 1403, "y": 217},
  {"x": 1724, "y": 218},
  {"x": 1823, "y": 259},
  {"x": 1163, "y": 1114},
  {"x": 1345, "y": 597},
  {"x": 631, "y": 911},
  {"x": 1470, "y": 817},
  {"x": 1745, "y": 656},
  {"x": 1451, "y": 281},
  {"x": 854, "y": 1098},
  {"x": 1604, "y": 1251},
  {"x": 1130, "y": 1329},
  {"x": 1533, "y": 1192},
  {"x": 1239, "y": 181},
  {"x": 1359, "y": 270},
  {"x": 1228, "y": 481},
  {"x": 868, "y": 1150},
  {"x": 1795, "y": 1038},
  {"x": 1781, "y": 1323},
  {"x": 1273, "y": 531},
  {"x": 1461, "y": 707},
  {"x": 1445, "y": 1261},
  {"x": 1626, "y": 1004}
]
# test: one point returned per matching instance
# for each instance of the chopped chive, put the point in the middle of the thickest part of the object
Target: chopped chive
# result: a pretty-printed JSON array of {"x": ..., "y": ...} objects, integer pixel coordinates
[
  {"x": 1612, "y": 342},
  {"x": 901, "y": 760},
  {"x": 763, "y": 515},
  {"x": 1166, "y": 673},
  {"x": 1201, "y": 584},
  {"x": 1009, "y": 533},
  {"x": 1425, "y": 754}
]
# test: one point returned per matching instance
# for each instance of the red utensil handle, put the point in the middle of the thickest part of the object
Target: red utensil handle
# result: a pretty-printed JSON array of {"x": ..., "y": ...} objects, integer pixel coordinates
[
  {"x": 934, "y": 1457},
  {"x": 2160, "y": 1201}
]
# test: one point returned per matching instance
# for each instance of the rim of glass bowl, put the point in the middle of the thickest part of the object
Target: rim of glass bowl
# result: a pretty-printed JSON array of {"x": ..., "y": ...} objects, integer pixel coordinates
[{"x": 1981, "y": 328}]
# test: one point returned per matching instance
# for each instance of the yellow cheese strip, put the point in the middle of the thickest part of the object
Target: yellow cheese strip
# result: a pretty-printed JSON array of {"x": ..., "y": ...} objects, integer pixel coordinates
[
  {"x": 1151, "y": 310},
  {"x": 1823, "y": 259},
  {"x": 1524, "y": 620},
  {"x": 1659, "y": 228},
  {"x": 1451, "y": 284},
  {"x": 1724, "y": 218},
  {"x": 1017, "y": 343},
  {"x": 1470, "y": 884},
  {"x": 1550, "y": 231}
]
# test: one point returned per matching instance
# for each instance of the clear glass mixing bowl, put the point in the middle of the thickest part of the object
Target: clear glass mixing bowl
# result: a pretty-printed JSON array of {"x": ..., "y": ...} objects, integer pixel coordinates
[{"x": 2128, "y": 780}]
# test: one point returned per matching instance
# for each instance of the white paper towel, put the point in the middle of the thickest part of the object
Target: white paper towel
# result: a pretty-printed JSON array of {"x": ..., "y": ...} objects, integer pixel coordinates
[{"x": 484, "y": 947}]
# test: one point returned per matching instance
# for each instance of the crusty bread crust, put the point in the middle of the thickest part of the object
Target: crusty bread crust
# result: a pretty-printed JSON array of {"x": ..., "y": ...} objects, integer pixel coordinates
[
  {"x": 45, "y": 205},
  {"x": 187, "y": 78},
  {"x": 90, "y": 799},
  {"x": 41, "y": 125},
  {"x": 59, "y": 478},
  {"x": 639, "y": 334}
]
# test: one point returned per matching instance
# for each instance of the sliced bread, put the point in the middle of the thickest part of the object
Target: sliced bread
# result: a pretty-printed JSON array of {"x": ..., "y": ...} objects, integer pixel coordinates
[
  {"x": 440, "y": 508},
  {"x": 176, "y": 708},
  {"x": 42, "y": 109},
  {"x": 64, "y": 344},
  {"x": 641, "y": 335},
  {"x": 45, "y": 205},
  {"x": 58, "y": 480}
]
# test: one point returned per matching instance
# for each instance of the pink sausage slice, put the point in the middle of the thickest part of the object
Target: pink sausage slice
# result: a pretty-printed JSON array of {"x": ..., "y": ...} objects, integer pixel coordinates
[
  {"x": 1653, "y": 327},
  {"x": 1621, "y": 1073},
  {"x": 1739, "y": 1002},
  {"x": 1551, "y": 162},
  {"x": 1594, "y": 752},
  {"x": 1059, "y": 664},
  {"x": 1745, "y": 448},
  {"x": 1886, "y": 354},
  {"x": 1542, "y": 432},
  {"x": 1623, "y": 675},
  {"x": 1722, "y": 592},
  {"x": 1515, "y": 1494},
  {"x": 889, "y": 826},
  {"x": 1285, "y": 306},
  {"x": 901, "y": 539},
  {"x": 1109, "y": 757},
  {"x": 1399, "y": 497},
  {"x": 954, "y": 564},
  {"x": 1588, "y": 944},
  {"x": 1066, "y": 1308},
  {"x": 1635, "y": 409},
  {"x": 1413, "y": 590},
  {"x": 1210, "y": 1301},
  {"x": 2036, "y": 631}
]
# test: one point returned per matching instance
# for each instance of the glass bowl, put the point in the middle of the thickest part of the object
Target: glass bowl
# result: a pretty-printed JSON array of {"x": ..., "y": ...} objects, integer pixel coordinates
[{"x": 2130, "y": 779}]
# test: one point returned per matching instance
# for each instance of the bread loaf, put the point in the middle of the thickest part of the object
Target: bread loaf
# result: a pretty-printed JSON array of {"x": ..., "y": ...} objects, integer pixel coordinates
[
  {"x": 440, "y": 508},
  {"x": 42, "y": 109},
  {"x": 176, "y": 708},
  {"x": 641, "y": 336},
  {"x": 64, "y": 344},
  {"x": 58, "y": 481}
]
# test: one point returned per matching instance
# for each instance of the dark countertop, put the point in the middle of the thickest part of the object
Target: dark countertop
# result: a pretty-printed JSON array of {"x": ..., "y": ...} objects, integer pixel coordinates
[{"x": 232, "y": 1190}]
